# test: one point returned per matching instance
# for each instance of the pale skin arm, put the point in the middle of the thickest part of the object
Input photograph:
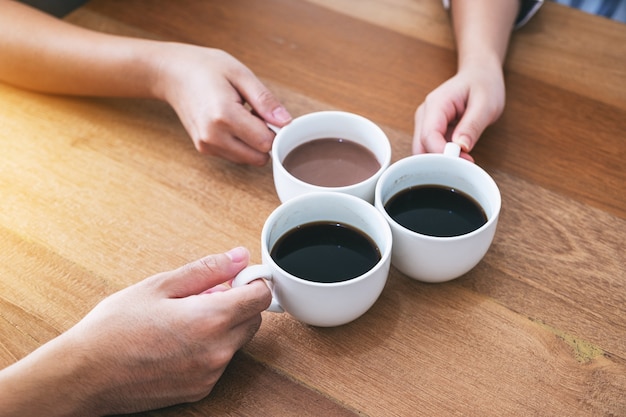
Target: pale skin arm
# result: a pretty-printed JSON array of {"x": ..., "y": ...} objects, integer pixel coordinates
[
  {"x": 206, "y": 87},
  {"x": 462, "y": 107},
  {"x": 163, "y": 341}
]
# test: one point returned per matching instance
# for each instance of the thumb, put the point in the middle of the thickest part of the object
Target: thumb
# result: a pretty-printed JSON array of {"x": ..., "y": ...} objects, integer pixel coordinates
[
  {"x": 202, "y": 274},
  {"x": 477, "y": 116},
  {"x": 468, "y": 130},
  {"x": 473, "y": 123}
]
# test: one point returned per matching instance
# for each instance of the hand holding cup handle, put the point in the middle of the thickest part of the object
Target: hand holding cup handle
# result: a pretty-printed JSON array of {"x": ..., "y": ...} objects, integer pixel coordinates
[
  {"x": 439, "y": 257},
  {"x": 341, "y": 299},
  {"x": 254, "y": 272}
]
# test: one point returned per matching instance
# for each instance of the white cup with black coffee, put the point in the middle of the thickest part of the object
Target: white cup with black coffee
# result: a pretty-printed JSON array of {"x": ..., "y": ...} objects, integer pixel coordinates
[
  {"x": 443, "y": 212},
  {"x": 329, "y": 151},
  {"x": 326, "y": 257}
]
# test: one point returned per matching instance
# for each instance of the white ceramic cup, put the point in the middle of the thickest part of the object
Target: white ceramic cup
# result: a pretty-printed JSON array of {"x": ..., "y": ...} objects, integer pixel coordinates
[
  {"x": 315, "y": 303},
  {"x": 328, "y": 124},
  {"x": 438, "y": 259}
]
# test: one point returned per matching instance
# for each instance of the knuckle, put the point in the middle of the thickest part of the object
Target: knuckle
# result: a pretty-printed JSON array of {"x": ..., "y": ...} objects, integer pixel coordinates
[
  {"x": 205, "y": 147},
  {"x": 472, "y": 129},
  {"x": 204, "y": 266},
  {"x": 255, "y": 325},
  {"x": 220, "y": 358},
  {"x": 210, "y": 264},
  {"x": 259, "y": 160},
  {"x": 266, "y": 98},
  {"x": 208, "y": 142}
]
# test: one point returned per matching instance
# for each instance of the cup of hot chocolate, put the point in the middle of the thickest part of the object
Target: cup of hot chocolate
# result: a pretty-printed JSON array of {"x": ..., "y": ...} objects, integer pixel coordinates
[
  {"x": 329, "y": 151},
  {"x": 326, "y": 257},
  {"x": 443, "y": 212}
]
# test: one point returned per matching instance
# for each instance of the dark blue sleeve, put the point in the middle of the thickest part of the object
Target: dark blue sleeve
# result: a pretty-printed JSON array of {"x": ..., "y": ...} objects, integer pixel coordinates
[{"x": 528, "y": 8}]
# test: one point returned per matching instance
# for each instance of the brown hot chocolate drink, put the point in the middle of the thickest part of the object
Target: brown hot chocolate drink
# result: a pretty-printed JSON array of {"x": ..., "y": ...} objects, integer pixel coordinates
[{"x": 331, "y": 162}]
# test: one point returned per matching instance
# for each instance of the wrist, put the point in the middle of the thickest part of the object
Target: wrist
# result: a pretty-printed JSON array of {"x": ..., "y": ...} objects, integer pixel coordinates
[
  {"x": 482, "y": 29},
  {"x": 484, "y": 60},
  {"x": 162, "y": 65},
  {"x": 153, "y": 58},
  {"x": 51, "y": 381}
]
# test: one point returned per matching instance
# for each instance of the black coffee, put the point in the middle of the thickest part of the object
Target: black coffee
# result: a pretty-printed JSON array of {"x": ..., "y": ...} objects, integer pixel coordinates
[
  {"x": 436, "y": 211},
  {"x": 325, "y": 252}
]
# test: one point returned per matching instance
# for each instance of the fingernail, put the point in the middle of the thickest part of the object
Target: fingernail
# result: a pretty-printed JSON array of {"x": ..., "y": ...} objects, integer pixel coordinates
[
  {"x": 238, "y": 254},
  {"x": 281, "y": 114},
  {"x": 464, "y": 142}
]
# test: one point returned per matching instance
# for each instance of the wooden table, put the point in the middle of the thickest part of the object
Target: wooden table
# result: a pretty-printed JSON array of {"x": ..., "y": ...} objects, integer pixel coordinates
[{"x": 96, "y": 194}]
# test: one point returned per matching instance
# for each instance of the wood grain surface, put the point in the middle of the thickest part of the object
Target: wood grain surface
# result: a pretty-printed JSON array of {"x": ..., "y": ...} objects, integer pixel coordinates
[{"x": 96, "y": 194}]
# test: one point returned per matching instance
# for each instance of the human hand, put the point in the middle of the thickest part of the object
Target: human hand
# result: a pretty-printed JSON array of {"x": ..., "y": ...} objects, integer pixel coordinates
[
  {"x": 164, "y": 340},
  {"x": 459, "y": 110},
  {"x": 208, "y": 89}
]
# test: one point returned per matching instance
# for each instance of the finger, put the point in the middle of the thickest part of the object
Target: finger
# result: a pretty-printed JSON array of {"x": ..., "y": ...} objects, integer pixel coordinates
[
  {"x": 467, "y": 156},
  {"x": 218, "y": 288},
  {"x": 233, "y": 149},
  {"x": 472, "y": 124},
  {"x": 234, "y": 134},
  {"x": 418, "y": 147},
  {"x": 243, "y": 332},
  {"x": 260, "y": 98},
  {"x": 223, "y": 348},
  {"x": 202, "y": 274},
  {"x": 220, "y": 349},
  {"x": 252, "y": 130},
  {"x": 240, "y": 303},
  {"x": 434, "y": 124}
]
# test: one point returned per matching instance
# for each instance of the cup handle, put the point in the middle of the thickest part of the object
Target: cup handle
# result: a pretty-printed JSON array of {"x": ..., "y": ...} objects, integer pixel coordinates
[
  {"x": 452, "y": 149},
  {"x": 273, "y": 128},
  {"x": 255, "y": 272}
]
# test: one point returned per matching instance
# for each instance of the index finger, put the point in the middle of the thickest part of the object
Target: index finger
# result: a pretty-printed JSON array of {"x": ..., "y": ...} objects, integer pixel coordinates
[
  {"x": 260, "y": 98},
  {"x": 241, "y": 303},
  {"x": 430, "y": 130}
]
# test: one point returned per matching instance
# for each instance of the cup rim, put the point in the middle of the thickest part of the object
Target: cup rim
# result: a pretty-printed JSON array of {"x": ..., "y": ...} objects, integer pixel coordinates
[
  {"x": 385, "y": 255},
  {"x": 384, "y": 163},
  {"x": 380, "y": 205}
]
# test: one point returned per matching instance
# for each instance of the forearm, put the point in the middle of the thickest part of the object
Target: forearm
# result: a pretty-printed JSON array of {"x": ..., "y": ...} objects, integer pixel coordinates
[
  {"x": 482, "y": 30},
  {"x": 42, "y": 53},
  {"x": 51, "y": 381}
]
